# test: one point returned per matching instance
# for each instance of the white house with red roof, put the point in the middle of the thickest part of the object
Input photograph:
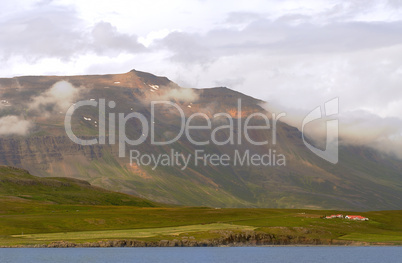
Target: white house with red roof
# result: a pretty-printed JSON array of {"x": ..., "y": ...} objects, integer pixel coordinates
[
  {"x": 356, "y": 217},
  {"x": 350, "y": 217},
  {"x": 334, "y": 216}
]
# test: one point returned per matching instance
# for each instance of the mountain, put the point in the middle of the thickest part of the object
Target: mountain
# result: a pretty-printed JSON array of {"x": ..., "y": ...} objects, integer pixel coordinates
[
  {"x": 363, "y": 179},
  {"x": 18, "y": 183}
]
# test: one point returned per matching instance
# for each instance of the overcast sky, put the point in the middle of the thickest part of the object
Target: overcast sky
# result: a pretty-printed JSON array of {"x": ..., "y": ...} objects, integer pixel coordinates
[{"x": 297, "y": 54}]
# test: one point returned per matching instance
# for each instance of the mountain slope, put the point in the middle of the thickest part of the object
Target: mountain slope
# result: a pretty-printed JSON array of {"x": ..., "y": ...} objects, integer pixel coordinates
[
  {"x": 364, "y": 179},
  {"x": 18, "y": 183}
]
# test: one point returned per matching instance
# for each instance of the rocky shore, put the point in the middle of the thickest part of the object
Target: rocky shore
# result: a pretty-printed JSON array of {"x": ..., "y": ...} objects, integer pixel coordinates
[{"x": 245, "y": 238}]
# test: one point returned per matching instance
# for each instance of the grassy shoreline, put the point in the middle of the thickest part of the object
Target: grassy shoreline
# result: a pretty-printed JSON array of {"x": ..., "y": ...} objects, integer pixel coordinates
[
  {"x": 30, "y": 224},
  {"x": 68, "y": 212}
]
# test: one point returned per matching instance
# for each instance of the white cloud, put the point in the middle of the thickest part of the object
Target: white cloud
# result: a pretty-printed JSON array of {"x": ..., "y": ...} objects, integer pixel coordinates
[
  {"x": 58, "y": 98},
  {"x": 187, "y": 95},
  {"x": 294, "y": 53},
  {"x": 41, "y": 32},
  {"x": 172, "y": 93},
  {"x": 107, "y": 40},
  {"x": 357, "y": 127},
  {"x": 14, "y": 125},
  {"x": 59, "y": 32}
]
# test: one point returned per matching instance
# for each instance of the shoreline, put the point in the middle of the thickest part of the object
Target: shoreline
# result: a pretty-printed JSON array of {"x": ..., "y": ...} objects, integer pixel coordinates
[
  {"x": 98, "y": 245},
  {"x": 232, "y": 240}
]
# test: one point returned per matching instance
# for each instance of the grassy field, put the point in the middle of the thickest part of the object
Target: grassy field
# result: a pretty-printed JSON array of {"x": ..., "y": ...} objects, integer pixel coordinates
[
  {"x": 132, "y": 233},
  {"x": 44, "y": 210},
  {"x": 30, "y": 222}
]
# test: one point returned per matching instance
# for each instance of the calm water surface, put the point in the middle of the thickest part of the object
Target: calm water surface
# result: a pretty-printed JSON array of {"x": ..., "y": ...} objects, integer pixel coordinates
[{"x": 196, "y": 255}]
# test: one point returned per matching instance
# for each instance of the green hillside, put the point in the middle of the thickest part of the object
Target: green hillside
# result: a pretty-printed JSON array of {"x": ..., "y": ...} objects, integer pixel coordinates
[
  {"x": 19, "y": 184},
  {"x": 57, "y": 211}
]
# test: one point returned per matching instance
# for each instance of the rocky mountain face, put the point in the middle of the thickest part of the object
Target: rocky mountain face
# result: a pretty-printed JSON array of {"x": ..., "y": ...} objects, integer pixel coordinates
[{"x": 33, "y": 137}]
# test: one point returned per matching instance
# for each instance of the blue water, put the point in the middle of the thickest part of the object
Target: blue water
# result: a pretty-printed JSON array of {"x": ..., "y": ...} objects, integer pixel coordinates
[{"x": 197, "y": 255}]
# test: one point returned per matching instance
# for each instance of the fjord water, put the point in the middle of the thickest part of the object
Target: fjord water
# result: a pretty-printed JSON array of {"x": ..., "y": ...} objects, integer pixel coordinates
[{"x": 196, "y": 255}]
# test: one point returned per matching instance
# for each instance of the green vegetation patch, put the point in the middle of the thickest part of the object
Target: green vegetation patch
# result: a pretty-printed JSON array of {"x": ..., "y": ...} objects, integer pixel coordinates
[
  {"x": 130, "y": 233},
  {"x": 18, "y": 183}
]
